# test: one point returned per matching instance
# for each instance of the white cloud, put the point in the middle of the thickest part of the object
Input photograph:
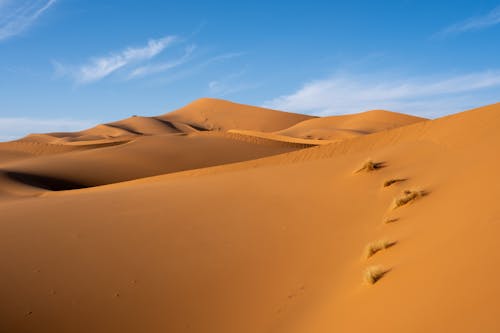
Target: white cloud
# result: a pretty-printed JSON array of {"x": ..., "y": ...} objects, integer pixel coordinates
[
  {"x": 198, "y": 67},
  {"x": 426, "y": 96},
  {"x": 230, "y": 84},
  {"x": 473, "y": 23},
  {"x": 17, "y": 16},
  {"x": 213, "y": 85},
  {"x": 164, "y": 66},
  {"x": 226, "y": 56},
  {"x": 221, "y": 89},
  {"x": 15, "y": 128},
  {"x": 101, "y": 67}
]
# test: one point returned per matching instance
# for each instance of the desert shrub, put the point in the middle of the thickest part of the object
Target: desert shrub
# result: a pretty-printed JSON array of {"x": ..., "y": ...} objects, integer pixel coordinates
[
  {"x": 408, "y": 197},
  {"x": 371, "y": 166},
  {"x": 374, "y": 273},
  {"x": 377, "y": 246},
  {"x": 390, "y": 182}
]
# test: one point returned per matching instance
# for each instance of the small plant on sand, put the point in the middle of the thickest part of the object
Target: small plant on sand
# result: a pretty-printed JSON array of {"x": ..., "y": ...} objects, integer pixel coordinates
[
  {"x": 374, "y": 273},
  {"x": 371, "y": 166},
  {"x": 408, "y": 197},
  {"x": 375, "y": 247},
  {"x": 390, "y": 182}
]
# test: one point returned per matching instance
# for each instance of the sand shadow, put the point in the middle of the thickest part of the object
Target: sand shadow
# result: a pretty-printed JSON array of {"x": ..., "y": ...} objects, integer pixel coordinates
[{"x": 44, "y": 182}]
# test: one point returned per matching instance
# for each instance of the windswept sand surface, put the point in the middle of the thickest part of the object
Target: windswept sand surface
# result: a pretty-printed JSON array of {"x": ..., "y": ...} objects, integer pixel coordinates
[{"x": 225, "y": 218}]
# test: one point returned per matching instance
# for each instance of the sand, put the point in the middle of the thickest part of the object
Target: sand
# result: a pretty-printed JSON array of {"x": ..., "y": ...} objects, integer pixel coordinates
[{"x": 204, "y": 220}]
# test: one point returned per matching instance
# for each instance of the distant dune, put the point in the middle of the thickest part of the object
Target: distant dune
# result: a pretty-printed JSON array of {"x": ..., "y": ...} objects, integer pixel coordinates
[
  {"x": 216, "y": 114},
  {"x": 348, "y": 126},
  {"x": 223, "y": 218}
]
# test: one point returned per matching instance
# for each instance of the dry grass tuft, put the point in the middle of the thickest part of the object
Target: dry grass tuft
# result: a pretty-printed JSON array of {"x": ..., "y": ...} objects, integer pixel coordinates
[
  {"x": 374, "y": 273},
  {"x": 371, "y": 166},
  {"x": 375, "y": 247},
  {"x": 408, "y": 197},
  {"x": 390, "y": 182}
]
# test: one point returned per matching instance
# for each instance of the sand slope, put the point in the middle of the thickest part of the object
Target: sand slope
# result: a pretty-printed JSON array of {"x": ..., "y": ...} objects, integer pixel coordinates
[
  {"x": 142, "y": 157},
  {"x": 274, "y": 244}
]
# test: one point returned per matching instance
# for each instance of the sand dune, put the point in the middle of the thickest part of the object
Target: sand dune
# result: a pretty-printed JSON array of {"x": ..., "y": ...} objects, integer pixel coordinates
[
  {"x": 242, "y": 231},
  {"x": 145, "y": 126},
  {"x": 348, "y": 126},
  {"x": 215, "y": 114},
  {"x": 142, "y": 157}
]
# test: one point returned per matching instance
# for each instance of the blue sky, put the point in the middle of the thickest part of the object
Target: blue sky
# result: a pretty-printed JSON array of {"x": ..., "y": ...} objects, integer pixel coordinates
[{"x": 69, "y": 64}]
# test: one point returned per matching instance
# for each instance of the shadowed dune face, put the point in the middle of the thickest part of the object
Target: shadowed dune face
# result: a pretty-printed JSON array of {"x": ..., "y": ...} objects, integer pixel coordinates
[
  {"x": 43, "y": 182},
  {"x": 246, "y": 229},
  {"x": 146, "y": 126}
]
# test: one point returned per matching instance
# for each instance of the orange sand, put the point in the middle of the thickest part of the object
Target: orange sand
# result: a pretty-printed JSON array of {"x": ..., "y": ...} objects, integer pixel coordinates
[{"x": 227, "y": 218}]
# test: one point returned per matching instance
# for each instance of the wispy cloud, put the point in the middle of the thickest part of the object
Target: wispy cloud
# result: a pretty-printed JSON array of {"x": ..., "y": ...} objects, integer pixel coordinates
[
  {"x": 473, "y": 23},
  {"x": 196, "y": 68},
  {"x": 230, "y": 84},
  {"x": 164, "y": 66},
  {"x": 226, "y": 56},
  {"x": 15, "y": 128},
  {"x": 17, "y": 16},
  {"x": 427, "y": 96},
  {"x": 100, "y": 67}
]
